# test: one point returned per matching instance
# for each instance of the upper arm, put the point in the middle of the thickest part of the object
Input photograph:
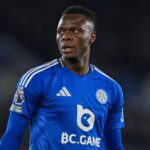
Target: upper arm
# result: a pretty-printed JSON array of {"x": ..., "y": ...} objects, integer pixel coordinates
[
  {"x": 112, "y": 139},
  {"x": 115, "y": 121},
  {"x": 26, "y": 97},
  {"x": 115, "y": 117},
  {"x": 25, "y": 103},
  {"x": 15, "y": 129}
]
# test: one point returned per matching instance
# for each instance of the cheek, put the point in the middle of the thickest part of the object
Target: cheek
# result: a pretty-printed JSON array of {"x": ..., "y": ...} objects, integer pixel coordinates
[
  {"x": 57, "y": 40},
  {"x": 86, "y": 39},
  {"x": 85, "y": 42}
]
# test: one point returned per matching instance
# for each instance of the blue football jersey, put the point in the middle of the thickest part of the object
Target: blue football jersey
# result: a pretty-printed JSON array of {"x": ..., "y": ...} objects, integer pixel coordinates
[{"x": 68, "y": 110}]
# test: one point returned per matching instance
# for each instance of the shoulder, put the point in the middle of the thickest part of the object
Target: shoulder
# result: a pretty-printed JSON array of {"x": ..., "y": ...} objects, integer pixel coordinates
[
  {"x": 38, "y": 73},
  {"x": 111, "y": 84},
  {"x": 100, "y": 75}
]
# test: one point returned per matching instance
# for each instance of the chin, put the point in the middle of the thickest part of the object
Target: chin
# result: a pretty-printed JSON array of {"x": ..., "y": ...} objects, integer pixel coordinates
[{"x": 72, "y": 59}]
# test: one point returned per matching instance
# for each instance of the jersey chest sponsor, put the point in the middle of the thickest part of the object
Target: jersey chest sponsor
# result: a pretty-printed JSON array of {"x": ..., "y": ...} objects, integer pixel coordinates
[{"x": 85, "y": 121}]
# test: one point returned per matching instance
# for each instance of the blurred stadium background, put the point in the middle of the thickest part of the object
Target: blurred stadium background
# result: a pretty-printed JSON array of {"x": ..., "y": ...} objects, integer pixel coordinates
[{"x": 122, "y": 50}]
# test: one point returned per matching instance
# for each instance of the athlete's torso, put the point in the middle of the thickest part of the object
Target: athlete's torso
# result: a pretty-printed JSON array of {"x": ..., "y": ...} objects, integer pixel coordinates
[{"x": 72, "y": 110}]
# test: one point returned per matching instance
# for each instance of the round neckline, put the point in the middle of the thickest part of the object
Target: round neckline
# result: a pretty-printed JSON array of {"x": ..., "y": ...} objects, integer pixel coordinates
[
  {"x": 79, "y": 76},
  {"x": 74, "y": 74}
]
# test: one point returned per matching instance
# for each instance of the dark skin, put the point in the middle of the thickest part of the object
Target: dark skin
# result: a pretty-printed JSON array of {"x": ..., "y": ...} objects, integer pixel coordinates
[{"x": 75, "y": 34}]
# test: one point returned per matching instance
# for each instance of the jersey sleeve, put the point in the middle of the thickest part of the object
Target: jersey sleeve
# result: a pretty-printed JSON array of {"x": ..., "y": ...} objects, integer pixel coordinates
[
  {"x": 116, "y": 114},
  {"x": 112, "y": 140},
  {"x": 15, "y": 130},
  {"x": 26, "y": 97}
]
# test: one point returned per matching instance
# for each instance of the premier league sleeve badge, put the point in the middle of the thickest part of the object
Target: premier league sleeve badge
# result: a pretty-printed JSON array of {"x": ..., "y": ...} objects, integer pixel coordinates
[{"x": 19, "y": 96}]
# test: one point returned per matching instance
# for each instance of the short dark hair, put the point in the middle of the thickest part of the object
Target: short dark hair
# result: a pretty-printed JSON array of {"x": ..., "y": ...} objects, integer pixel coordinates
[{"x": 78, "y": 9}]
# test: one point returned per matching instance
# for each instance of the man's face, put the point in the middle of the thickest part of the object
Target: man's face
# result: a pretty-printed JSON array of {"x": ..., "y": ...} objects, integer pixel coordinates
[{"x": 75, "y": 34}]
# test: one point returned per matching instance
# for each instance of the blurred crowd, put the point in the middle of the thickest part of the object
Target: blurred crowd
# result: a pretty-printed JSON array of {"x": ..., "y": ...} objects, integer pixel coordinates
[{"x": 122, "y": 50}]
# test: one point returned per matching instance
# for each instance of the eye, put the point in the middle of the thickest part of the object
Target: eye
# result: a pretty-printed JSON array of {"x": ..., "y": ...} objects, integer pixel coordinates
[
  {"x": 76, "y": 31},
  {"x": 59, "y": 31}
]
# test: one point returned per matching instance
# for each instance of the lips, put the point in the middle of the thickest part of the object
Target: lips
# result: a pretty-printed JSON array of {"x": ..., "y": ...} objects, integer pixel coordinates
[{"x": 67, "y": 49}]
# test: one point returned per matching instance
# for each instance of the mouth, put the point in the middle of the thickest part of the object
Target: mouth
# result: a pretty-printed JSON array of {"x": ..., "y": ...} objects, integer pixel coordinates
[{"x": 67, "y": 49}]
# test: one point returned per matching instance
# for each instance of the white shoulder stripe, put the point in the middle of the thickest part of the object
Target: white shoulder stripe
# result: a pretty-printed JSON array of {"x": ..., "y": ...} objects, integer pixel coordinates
[
  {"x": 101, "y": 72},
  {"x": 36, "y": 72},
  {"x": 27, "y": 74},
  {"x": 24, "y": 78}
]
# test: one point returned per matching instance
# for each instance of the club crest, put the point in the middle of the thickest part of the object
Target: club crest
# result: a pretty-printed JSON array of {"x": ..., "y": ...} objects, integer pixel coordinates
[{"x": 101, "y": 96}]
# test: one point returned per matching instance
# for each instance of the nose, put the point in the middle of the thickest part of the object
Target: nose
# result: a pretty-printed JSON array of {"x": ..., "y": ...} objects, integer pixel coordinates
[{"x": 67, "y": 36}]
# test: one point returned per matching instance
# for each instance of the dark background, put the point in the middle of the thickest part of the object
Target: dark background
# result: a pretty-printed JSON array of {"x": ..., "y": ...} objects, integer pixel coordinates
[{"x": 122, "y": 50}]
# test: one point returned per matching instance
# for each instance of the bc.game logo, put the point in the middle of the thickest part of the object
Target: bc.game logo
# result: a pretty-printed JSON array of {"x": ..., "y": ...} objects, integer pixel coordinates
[{"x": 85, "y": 118}]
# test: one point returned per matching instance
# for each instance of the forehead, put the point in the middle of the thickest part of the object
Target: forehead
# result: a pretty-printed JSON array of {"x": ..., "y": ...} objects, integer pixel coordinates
[{"x": 74, "y": 20}]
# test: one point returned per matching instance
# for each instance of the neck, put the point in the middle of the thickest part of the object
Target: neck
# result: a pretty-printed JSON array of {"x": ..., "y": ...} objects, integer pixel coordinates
[{"x": 78, "y": 66}]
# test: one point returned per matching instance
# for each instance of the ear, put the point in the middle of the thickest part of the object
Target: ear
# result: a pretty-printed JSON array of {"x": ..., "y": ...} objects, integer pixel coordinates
[{"x": 92, "y": 37}]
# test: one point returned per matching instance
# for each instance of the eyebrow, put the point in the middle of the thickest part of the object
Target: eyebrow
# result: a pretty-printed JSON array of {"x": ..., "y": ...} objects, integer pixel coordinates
[{"x": 69, "y": 28}]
